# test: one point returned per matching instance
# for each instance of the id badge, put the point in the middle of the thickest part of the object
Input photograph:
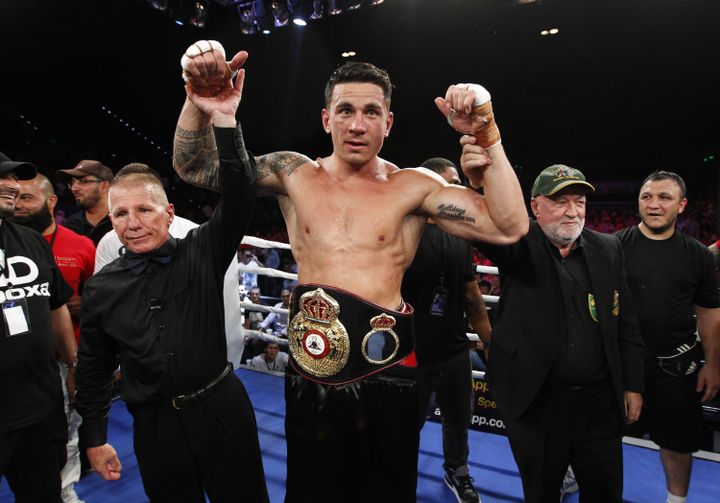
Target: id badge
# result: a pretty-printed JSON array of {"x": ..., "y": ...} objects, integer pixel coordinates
[
  {"x": 16, "y": 317},
  {"x": 439, "y": 301}
]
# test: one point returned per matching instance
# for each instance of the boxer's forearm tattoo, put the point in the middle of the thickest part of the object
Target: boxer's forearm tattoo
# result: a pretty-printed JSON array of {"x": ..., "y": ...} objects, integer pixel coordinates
[
  {"x": 453, "y": 212},
  {"x": 195, "y": 157},
  {"x": 279, "y": 162}
]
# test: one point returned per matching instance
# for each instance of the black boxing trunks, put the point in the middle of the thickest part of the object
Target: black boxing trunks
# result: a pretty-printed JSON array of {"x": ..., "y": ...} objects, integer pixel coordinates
[
  {"x": 355, "y": 441},
  {"x": 337, "y": 338}
]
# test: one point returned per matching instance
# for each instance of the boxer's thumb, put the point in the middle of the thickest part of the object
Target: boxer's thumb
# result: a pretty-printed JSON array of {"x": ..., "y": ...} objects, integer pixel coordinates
[
  {"x": 238, "y": 60},
  {"x": 443, "y": 106}
]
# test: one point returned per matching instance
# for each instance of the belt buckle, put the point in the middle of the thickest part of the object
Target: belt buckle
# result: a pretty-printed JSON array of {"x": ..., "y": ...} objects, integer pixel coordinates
[{"x": 175, "y": 405}]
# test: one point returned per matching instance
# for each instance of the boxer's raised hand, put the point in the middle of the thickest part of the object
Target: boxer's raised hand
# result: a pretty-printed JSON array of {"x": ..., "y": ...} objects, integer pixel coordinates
[
  {"x": 468, "y": 109},
  {"x": 205, "y": 69}
]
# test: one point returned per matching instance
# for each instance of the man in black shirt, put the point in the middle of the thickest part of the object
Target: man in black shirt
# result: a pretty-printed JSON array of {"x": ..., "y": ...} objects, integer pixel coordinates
[
  {"x": 159, "y": 309},
  {"x": 672, "y": 276},
  {"x": 35, "y": 324},
  {"x": 565, "y": 364},
  {"x": 89, "y": 182},
  {"x": 440, "y": 284}
]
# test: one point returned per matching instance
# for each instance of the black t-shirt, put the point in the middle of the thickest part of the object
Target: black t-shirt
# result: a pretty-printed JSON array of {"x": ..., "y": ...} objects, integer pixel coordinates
[
  {"x": 29, "y": 378},
  {"x": 79, "y": 224},
  {"x": 666, "y": 279},
  {"x": 442, "y": 262}
]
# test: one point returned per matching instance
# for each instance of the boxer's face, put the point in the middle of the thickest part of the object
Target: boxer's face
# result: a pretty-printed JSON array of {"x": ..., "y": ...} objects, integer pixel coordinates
[
  {"x": 139, "y": 219},
  {"x": 561, "y": 216},
  {"x": 659, "y": 204},
  {"x": 359, "y": 120}
]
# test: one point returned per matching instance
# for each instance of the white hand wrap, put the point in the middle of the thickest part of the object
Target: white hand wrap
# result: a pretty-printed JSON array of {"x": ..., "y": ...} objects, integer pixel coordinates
[
  {"x": 198, "y": 48},
  {"x": 482, "y": 95},
  {"x": 489, "y": 134}
]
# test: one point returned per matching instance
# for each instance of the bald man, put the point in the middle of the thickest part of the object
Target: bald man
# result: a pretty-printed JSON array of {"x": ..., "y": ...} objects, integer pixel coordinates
[{"x": 75, "y": 257}]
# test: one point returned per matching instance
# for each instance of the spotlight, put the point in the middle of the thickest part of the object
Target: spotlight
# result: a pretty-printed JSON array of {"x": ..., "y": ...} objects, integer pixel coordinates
[
  {"x": 199, "y": 14},
  {"x": 160, "y": 5},
  {"x": 262, "y": 11},
  {"x": 280, "y": 12},
  {"x": 192, "y": 12},
  {"x": 318, "y": 9},
  {"x": 349, "y": 4},
  {"x": 301, "y": 11},
  {"x": 333, "y": 8},
  {"x": 247, "y": 21}
]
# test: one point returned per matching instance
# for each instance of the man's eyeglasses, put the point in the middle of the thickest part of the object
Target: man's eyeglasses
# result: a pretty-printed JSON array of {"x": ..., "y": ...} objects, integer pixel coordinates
[{"x": 82, "y": 181}]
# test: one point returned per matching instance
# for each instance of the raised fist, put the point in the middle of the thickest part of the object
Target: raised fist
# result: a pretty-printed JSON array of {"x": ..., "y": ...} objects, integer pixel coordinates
[{"x": 205, "y": 69}]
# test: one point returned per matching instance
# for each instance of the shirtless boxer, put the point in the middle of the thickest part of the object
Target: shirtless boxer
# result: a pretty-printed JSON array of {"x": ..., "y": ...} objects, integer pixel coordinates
[{"x": 354, "y": 221}]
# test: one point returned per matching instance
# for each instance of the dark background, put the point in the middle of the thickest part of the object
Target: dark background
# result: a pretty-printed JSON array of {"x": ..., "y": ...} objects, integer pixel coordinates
[{"x": 624, "y": 88}]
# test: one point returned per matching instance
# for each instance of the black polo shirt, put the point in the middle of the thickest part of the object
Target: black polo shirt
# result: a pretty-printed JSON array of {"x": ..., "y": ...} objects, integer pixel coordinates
[
  {"x": 581, "y": 360},
  {"x": 79, "y": 224}
]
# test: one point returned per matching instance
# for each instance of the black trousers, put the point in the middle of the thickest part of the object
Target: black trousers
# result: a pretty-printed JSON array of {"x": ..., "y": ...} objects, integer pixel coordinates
[
  {"x": 581, "y": 428},
  {"x": 31, "y": 458},
  {"x": 356, "y": 442},
  {"x": 210, "y": 446},
  {"x": 451, "y": 381}
]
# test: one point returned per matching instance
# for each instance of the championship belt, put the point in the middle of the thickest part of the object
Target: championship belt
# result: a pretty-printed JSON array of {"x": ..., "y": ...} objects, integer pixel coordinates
[{"x": 336, "y": 337}]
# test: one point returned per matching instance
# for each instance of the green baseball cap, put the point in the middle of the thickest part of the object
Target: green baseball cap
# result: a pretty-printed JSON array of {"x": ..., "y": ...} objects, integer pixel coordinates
[{"x": 557, "y": 177}]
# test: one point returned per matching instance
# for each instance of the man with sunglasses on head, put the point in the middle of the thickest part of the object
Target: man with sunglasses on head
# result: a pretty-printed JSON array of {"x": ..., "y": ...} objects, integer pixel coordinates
[{"x": 89, "y": 182}]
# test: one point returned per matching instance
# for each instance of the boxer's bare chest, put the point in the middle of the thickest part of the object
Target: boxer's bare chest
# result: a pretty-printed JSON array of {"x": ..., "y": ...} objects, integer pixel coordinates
[{"x": 353, "y": 215}]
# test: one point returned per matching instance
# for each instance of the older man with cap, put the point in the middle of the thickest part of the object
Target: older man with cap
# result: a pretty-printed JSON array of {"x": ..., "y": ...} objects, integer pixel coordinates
[
  {"x": 89, "y": 182},
  {"x": 35, "y": 324},
  {"x": 566, "y": 359}
]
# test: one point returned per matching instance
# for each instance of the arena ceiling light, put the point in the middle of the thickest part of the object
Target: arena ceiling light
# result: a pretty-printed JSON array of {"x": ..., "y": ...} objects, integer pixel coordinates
[
  {"x": 160, "y": 5},
  {"x": 551, "y": 31},
  {"x": 247, "y": 20},
  {"x": 280, "y": 12},
  {"x": 302, "y": 10},
  {"x": 188, "y": 12},
  {"x": 264, "y": 20},
  {"x": 198, "y": 18}
]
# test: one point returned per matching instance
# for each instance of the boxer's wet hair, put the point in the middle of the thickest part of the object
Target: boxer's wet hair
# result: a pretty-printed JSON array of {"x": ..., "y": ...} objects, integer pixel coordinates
[
  {"x": 138, "y": 174},
  {"x": 359, "y": 71},
  {"x": 659, "y": 175},
  {"x": 438, "y": 164}
]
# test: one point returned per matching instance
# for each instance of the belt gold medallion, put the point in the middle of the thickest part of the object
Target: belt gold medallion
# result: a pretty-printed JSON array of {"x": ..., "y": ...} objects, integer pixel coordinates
[{"x": 319, "y": 342}]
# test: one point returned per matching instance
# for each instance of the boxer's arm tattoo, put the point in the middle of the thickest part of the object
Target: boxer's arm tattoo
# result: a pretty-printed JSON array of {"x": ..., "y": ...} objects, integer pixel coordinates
[
  {"x": 195, "y": 157},
  {"x": 279, "y": 162},
  {"x": 453, "y": 212}
]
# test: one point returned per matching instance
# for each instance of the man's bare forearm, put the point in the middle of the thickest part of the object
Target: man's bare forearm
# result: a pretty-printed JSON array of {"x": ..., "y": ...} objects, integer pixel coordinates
[
  {"x": 503, "y": 195},
  {"x": 64, "y": 335},
  {"x": 479, "y": 319},
  {"x": 708, "y": 321}
]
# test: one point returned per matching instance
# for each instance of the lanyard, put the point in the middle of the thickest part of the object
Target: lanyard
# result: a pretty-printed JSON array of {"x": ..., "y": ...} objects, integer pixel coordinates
[{"x": 52, "y": 239}]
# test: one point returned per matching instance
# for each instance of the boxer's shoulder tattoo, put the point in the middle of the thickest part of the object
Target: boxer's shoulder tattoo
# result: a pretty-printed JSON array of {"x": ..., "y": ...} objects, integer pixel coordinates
[
  {"x": 280, "y": 162},
  {"x": 454, "y": 212},
  {"x": 195, "y": 157}
]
